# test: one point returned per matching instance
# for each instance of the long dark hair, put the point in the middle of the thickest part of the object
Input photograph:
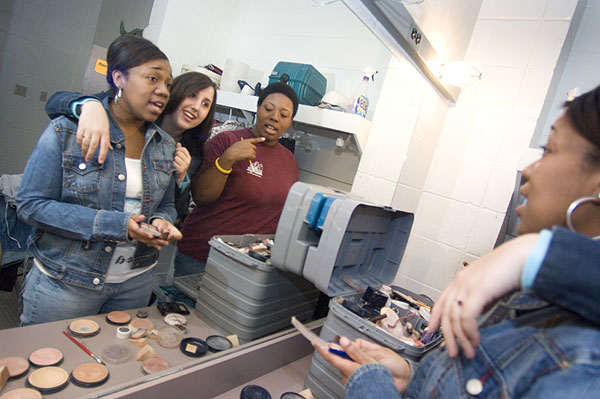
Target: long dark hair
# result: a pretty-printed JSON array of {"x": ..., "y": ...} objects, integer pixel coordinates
[
  {"x": 127, "y": 52},
  {"x": 186, "y": 85},
  {"x": 584, "y": 114}
]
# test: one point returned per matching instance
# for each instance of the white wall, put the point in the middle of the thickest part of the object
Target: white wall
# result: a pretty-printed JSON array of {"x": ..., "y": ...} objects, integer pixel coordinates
[
  {"x": 45, "y": 47},
  {"x": 581, "y": 69},
  {"x": 469, "y": 181},
  {"x": 263, "y": 32}
]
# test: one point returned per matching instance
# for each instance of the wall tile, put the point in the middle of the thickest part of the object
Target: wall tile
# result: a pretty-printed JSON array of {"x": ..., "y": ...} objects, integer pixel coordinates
[
  {"x": 362, "y": 184},
  {"x": 548, "y": 44},
  {"x": 500, "y": 187},
  {"x": 417, "y": 164},
  {"x": 498, "y": 89},
  {"x": 429, "y": 262},
  {"x": 518, "y": 135},
  {"x": 25, "y": 29},
  {"x": 406, "y": 198},
  {"x": 444, "y": 220},
  {"x": 503, "y": 43},
  {"x": 458, "y": 176},
  {"x": 533, "y": 91},
  {"x": 485, "y": 231},
  {"x": 382, "y": 191},
  {"x": 30, "y": 12},
  {"x": 416, "y": 286},
  {"x": 513, "y": 9},
  {"x": 560, "y": 9}
]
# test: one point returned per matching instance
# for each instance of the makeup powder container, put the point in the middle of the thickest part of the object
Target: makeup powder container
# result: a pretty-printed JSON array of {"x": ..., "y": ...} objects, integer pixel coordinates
[
  {"x": 291, "y": 395},
  {"x": 22, "y": 393},
  {"x": 254, "y": 392},
  {"x": 48, "y": 380},
  {"x": 154, "y": 365},
  {"x": 141, "y": 324},
  {"x": 169, "y": 337},
  {"x": 123, "y": 332},
  {"x": 83, "y": 328},
  {"x": 118, "y": 318},
  {"x": 89, "y": 375},
  {"x": 218, "y": 343},
  {"x": 46, "y": 357},
  {"x": 117, "y": 354},
  {"x": 193, "y": 347},
  {"x": 17, "y": 366}
]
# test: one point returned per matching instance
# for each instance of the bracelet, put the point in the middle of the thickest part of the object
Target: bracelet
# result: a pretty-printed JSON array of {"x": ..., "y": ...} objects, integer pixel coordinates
[{"x": 220, "y": 169}]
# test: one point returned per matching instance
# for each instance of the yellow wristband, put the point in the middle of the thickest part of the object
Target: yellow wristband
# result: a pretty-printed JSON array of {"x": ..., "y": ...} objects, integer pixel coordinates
[{"x": 220, "y": 169}]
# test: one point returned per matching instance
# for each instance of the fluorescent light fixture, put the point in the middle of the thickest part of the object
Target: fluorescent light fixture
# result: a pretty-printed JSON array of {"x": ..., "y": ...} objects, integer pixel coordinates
[{"x": 461, "y": 73}]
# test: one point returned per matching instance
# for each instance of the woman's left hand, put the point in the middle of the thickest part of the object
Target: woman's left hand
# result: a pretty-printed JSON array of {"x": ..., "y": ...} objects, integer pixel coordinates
[
  {"x": 182, "y": 162},
  {"x": 168, "y": 231}
]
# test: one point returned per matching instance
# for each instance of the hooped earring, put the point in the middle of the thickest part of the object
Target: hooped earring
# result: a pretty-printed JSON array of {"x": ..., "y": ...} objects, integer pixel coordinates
[
  {"x": 571, "y": 209},
  {"x": 119, "y": 93}
]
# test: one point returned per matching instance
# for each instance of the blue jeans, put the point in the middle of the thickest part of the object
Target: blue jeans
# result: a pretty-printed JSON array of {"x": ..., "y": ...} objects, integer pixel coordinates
[
  {"x": 45, "y": 299},
  {"x": 185, "y": 265}
]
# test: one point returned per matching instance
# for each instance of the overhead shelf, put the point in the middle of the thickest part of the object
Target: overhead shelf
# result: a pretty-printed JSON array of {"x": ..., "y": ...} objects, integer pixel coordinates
[{"x": 352, "y": 124}]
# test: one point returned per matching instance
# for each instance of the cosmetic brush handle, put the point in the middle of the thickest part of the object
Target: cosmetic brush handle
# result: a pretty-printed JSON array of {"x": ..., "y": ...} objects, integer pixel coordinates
[{"x": 83, "y": 348}]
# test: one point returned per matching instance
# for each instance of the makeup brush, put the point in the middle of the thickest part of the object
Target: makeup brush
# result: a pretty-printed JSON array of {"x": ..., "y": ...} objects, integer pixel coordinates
[{"x": 84, "y": 348}]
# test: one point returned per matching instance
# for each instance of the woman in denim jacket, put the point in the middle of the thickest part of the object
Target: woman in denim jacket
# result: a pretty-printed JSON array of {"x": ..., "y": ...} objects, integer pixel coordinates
[
  {"x": 91, "y": 252},
  {"x": 530, "y": 346}
]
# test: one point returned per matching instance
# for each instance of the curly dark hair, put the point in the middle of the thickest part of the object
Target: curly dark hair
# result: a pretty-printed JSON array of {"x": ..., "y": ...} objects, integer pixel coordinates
[{"x": 282, "y": 88}]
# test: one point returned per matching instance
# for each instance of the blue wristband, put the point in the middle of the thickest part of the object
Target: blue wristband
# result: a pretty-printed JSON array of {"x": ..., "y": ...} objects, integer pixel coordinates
[{"x": 75, "y": 105}]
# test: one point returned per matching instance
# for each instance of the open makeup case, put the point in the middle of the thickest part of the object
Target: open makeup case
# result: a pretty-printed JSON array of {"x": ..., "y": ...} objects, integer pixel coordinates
[{"x": 348, "y": 248}]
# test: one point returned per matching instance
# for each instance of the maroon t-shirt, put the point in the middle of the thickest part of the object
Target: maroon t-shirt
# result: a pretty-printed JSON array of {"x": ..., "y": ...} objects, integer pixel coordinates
[{"x": 251, "y": 201}]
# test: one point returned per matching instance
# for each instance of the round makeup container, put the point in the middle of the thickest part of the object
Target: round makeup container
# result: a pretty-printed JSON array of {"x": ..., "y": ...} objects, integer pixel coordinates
[
  {"x": 194, "y": 347},
  {"x": 123, "y": 332},
  {"x": 169, "y": 337},
  {"x": 291, "y": 395},
  {"x": 218, "y": 343},
  {"x": 117, "y": 354},
  {"x": 48, "y": 380},
  {"x": 254, "y": 392},
  {"x": 176, "y": 320},
  {"x": 89, "y": 375},
  {"x": 22, "y": 393},
  {"x": 17, "y": 366},
  {"x": 83, "y": 328},
  {"x": 141, "y": 324},
  {"x": 154, "y": 365},
  {"x": 46, "y": 357},
  {"x": 142, "y": 314},
  {"x": 118, "y": 318}
]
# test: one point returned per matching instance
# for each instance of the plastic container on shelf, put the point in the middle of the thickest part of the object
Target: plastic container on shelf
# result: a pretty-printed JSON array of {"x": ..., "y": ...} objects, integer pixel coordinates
[{"x": 305, "y": 79}]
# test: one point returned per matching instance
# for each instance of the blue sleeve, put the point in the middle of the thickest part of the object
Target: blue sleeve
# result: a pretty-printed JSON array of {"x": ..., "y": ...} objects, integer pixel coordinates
[
  {"x": 569, "y": 274},
  {"x": 371, "y": 381},
  {"x": 535, "y": 258},
  {"x": 59, "y": 103}
]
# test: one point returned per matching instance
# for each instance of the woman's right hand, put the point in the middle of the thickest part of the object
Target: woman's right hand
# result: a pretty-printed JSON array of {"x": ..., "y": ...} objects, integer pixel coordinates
[
  {"x": 242, "y": 150},
  {"x": 363, "y": 352},
  {"x": 93, "y": 130}
]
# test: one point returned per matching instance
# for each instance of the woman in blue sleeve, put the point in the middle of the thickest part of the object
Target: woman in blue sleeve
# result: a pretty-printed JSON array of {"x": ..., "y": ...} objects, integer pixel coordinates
[
  {"x": 547, "y": 344},
  {"x": 91, "y": 248}
]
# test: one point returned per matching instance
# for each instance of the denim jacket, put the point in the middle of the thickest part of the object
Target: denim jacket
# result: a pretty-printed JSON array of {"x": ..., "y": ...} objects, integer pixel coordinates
[
  {"x": 537, "y": 351},
  {"x": 77, "y": 207}
]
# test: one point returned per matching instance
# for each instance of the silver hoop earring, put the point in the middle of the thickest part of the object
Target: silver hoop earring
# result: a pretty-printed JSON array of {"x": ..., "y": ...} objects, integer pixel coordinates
[
  {"x": 571, "y": 209},
  {"x": 119, "y": 93}
]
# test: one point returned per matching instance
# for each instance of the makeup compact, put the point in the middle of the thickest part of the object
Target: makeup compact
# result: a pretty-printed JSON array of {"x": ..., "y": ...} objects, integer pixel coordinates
[
  {"x": 124, "y": 332},
  {"x": 154, "y": 365},
  {"x": 194, "y": 347},
  {"x": 118, "y": 318},
  {"x": 17, "y": 366},
  {"x": 291, "y": 395},
  {"x": 117, "y": 354},
  {"x": 83, "y": 328},
  {"x": 254, "y": 392},
  {"x": 48, "y": 380},
  {"x": 141, "y": 324},
  {"x": 22, "y": 393},
  {"x": 169, "y": 337},
  {"x": 46, "y": 357},
  {"x": 89, "y": 375},
  {"x": 176, "y": 320},
  {"x": 218, "y": 343}
]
